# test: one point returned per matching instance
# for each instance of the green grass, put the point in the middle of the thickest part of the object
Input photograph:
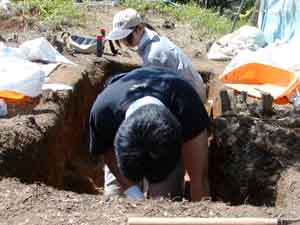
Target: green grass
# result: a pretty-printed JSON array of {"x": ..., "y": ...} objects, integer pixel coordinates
[
  {"x": 204, "y": 22},
  {"x": 53, "y": 12}
]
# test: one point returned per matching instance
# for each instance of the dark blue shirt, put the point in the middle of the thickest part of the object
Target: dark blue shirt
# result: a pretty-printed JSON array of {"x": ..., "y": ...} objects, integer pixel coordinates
[{"x": 174, "y": 92}]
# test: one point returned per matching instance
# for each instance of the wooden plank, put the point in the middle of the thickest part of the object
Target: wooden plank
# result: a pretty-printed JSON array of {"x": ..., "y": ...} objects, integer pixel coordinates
[
  {"x": 215, "y": 86},
  {"x": 200, "y": 221}
]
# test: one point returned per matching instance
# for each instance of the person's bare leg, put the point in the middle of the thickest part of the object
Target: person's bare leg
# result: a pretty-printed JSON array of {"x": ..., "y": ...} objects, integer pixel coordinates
[{"x": 195, "y": 158}]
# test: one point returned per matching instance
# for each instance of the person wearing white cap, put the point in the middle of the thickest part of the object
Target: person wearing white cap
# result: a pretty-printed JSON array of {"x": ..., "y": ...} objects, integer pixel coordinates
[
  {"x": 150, "y": 124},
  {"x": 155, "y": 50}
]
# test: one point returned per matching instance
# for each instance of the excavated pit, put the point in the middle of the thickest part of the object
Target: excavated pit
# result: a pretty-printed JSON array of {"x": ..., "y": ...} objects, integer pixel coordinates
[{"x": 250, "y": 156}]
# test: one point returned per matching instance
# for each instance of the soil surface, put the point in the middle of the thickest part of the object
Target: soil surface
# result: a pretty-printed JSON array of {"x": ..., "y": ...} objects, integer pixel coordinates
[{"x": 34, "y": 202}]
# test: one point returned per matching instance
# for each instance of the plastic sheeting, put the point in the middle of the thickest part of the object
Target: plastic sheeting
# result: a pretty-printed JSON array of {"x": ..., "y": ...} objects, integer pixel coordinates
[
  {"x": 284, "y": 56},
  {"x": 245, "y": 38},
  {"x": 280, "y": 20}
]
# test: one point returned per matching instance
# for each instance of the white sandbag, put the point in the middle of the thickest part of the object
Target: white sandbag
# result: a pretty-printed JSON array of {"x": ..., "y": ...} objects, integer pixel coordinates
[
  {"x": 245, "y": 38},
  {"x": 21, "y": 76},
  {"x": 41, "y": 49}
]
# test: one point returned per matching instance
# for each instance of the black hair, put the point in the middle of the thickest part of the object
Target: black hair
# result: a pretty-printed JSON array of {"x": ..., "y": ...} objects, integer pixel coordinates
[
  {"x": 150, "y": 27},
  {"x": 148, "y": 144},
  {"x": 129, "y": 38}
]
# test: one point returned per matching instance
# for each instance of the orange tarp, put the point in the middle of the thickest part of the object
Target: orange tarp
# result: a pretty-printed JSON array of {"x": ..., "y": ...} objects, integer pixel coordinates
[
  {"x": 11, "y": 95},
  {"x": 256, "y": 78}
]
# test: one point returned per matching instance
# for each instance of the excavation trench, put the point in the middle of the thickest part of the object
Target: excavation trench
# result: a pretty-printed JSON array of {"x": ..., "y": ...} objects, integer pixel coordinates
[{"x": 48, "y": 143}]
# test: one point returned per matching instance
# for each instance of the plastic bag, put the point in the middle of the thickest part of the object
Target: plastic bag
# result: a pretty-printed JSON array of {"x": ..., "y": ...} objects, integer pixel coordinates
[
  {"x": 246, "y": 38},
  {"x": 284, "y": 56},
  {"x": 41, "y": 49},
  {"x": 5, "y": 5},
  {"x": 20, "y": 76}
]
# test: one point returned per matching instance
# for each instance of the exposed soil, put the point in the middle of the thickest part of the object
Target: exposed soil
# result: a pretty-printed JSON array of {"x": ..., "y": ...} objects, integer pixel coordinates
[{"x": 46, "y": 176}]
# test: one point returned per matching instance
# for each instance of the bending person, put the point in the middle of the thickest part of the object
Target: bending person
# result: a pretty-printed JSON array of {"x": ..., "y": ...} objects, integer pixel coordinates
[
  {"x": 155, "y": 50},
  {"x": 150, "y": 124}
]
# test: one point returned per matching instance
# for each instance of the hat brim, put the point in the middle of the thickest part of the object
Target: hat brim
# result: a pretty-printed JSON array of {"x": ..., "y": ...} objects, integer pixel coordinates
[{"x": 119, "y": 34}]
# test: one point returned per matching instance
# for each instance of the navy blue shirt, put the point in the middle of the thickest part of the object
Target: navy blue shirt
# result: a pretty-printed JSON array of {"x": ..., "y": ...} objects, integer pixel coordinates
[{"x": 174, "y": 92}]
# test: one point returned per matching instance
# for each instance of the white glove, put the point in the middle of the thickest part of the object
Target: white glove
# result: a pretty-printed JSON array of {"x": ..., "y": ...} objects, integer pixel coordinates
[{"x": 134, "y": 192}]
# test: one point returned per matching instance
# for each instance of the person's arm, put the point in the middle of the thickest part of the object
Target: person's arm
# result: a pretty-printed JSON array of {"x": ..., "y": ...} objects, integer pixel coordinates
[
  {"x": 131, "y": 189},
  {"x": 195, "y": 157},
  {"x": 111, "y": 161}
]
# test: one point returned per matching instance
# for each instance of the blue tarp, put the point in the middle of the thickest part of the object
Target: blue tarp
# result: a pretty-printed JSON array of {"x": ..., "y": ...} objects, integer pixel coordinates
[{"x": 280, "y": 20}]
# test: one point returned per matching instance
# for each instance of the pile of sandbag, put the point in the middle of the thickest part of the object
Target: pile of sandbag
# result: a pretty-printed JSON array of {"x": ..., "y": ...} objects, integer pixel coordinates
[{"x": 21, "y": 73}]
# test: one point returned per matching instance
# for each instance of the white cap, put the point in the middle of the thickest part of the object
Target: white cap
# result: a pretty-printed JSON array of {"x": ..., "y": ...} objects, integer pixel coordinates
[{"x": 124, "y": 23}]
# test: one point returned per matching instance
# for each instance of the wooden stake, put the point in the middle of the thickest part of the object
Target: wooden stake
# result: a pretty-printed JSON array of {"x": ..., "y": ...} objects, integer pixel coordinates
[
  {"x": 225, "y": 101},
  {"x": 201, "y": 221},
  {"x": 244, "y": 96},
  {"x": 267, "y": 101}
]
